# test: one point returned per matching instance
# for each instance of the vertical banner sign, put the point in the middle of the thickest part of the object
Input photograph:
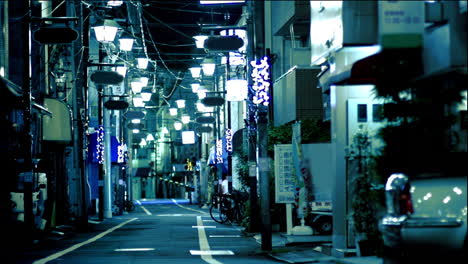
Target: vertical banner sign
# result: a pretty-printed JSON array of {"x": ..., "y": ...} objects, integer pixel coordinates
[
  {"x": 401, "y": 23},
  {"x": 121, "y": 149},
  {"x": 285, "y": 180},
  {"x": 261, "y": 81},
  {"x": 300, "y": 193},
  {"x": 228, "y": 134},
  {"x": 100, "y": 145},
  {"x": 219, "y": 151}
]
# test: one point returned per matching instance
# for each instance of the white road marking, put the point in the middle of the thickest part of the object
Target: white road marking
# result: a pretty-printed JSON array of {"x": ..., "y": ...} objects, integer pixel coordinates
[
  {"x": 75, "y": 247},
  {"x": 177, "y": 215},
  {"x": 187, "y": 208},
  {"x": 204, "y": 245},
  {"x": 208, "y": 220},
  {"x": 211, "y": 252},
  {"x": 225, "y": 236},
  {"x": 197, "y": 226},
  {"x": 144, "y": 209},
  {"x": 134, "y": 249}
]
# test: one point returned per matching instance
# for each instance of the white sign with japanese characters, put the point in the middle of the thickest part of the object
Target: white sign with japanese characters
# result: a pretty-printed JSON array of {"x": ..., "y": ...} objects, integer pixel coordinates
[
  {"x": 285, "y": 183},
  {"x": 401, "y": 17}
]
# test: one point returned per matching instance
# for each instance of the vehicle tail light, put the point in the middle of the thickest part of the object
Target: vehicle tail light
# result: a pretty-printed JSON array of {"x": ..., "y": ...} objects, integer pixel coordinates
[
  {"x": 398, "y": 196},
  {"x": 405, "y": 202}
]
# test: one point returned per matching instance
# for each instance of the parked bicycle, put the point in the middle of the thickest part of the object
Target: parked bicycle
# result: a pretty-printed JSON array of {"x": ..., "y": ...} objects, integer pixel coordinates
[{"x": 228, "y": 208}]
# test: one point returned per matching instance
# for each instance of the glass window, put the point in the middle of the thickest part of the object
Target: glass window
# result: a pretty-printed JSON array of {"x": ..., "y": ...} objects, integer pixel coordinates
[
  {"x": 362, "y": 113},
  {"x": 377, "y": 113}
]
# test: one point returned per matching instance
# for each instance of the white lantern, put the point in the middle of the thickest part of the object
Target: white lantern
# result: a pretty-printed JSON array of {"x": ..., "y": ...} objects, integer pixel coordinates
[
  {"x": 142, "y": 63},
  {"x": 106, "y": 30},
  {"x": 177, "y": 125},
  {"x": 208, "y": 67},
  {"x": 173, "y": 111},
  {"x": 195, "y": 71},
  {"x": 188, "y": 137},
  {"x": 150, "y": 137},
  {"x": 146, "y": 95},
  {"x": 195, "y": 87},
  {"x": 180, "y": 103},
  {"x": 185, "y": 119},
  {"x": 126, "y": 42},
  {"x": 136, "y": 85},
  {"x": 200, "y": 41},
  {"x": 138, "y": 101}
]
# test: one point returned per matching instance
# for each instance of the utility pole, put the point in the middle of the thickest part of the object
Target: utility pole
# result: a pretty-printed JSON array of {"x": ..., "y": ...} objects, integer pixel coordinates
[
  {"x": 254, "y": 217},
  {"x": 28, "y": 179}
]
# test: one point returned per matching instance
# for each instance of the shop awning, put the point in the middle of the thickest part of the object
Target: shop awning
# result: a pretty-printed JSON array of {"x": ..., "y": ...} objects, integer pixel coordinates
[{"x": 385, "y": 67}]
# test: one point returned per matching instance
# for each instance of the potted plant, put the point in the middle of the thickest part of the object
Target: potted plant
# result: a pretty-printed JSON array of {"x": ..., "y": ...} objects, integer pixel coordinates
[{"x": 366, "y": 194}]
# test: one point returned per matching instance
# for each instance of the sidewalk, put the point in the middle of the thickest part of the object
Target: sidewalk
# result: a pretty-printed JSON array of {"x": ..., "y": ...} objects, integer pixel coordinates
[{"x": 309, "y": 252}]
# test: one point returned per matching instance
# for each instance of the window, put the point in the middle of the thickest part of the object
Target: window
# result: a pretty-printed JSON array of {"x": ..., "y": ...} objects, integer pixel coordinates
[
  {"x": 362, "y": 113},
  {"x": 377, "y": 113}
]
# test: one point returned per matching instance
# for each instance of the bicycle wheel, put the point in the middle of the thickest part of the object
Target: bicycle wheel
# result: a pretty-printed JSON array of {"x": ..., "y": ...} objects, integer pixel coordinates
[
  {"x": 218, "y": 213},
  {"x": 237, "y": 214}
]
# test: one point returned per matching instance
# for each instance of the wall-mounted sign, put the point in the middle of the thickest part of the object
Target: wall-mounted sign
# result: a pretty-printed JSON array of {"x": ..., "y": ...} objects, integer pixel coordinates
[
  {"x": 401, "y": 23},
  {"x": 219, "y": 151},
  {"x": 261, "y": 81},
  {"x": 228, "y": 140}
]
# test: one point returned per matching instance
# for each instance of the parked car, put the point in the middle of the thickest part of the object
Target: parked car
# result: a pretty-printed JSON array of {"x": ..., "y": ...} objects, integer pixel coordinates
[{"x": 425, "y": 215}]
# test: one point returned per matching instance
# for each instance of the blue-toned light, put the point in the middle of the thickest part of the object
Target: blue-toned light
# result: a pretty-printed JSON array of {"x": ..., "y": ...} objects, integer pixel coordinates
[
  {"x": 219, "y": 151},
  {"x": 100, "y": 145},
  {"x": 228, "y": 140},
  {"x": 261, "y": 81}
]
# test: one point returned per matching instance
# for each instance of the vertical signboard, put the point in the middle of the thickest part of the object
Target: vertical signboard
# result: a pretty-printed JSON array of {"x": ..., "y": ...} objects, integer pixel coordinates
[
  {"x": 401, "y": 23},
  {"x": 285, "y": 183},
  {"x": 326, "y": 29}
]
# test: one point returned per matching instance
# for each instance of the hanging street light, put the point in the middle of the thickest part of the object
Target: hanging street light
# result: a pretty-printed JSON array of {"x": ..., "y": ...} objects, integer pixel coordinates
[
  {"x": 126, "y": 42},
  {"x": 195, "y": 71},
  {"x": 208, "y": 66},
  {"x": 146, "y": 94},
  {"x": 178, "y": 125},
  {"x": 106, "y": 30},
  {"x": 136, "y": 85},
  {"x": 142, "y": 63},
  {"x": 180, "y": 103},
  {"x": 173, "y": 111},
  {"x": 200, "y": 41}
]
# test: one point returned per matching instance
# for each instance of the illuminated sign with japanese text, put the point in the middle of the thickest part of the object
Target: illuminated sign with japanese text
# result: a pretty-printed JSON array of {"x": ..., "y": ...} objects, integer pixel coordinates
[
  {"x": 228, "y": 140},
  {"x": 261, "y": 81}
]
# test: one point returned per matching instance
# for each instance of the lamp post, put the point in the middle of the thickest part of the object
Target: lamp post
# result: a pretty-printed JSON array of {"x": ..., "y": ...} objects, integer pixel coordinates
[{"x": 105, "y": 33}]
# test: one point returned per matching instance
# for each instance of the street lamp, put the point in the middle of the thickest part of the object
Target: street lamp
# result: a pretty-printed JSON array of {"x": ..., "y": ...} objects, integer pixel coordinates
[
  {"x": 146, "y": 94},
  {"x": 173, "y": 111},
  {"x": 142, "y": 63},
  {"x": 126, "y": 42},
  {"x": 200, "y": 40},
  {"x": 178, "y": 125},
  {"x": 180, "y": 103},
  {"x": 195, "y": 71},
  {"x": 136, "y": 85},
  {"x": 208, "y": 66},
  {"x": 106, "y": 30},
  {"x": 185, "y": 119}
]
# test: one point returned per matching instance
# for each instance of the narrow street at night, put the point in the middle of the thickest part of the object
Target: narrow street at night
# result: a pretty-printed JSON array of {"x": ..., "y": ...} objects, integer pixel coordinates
[
  {"x": 157, "y": 231},
  {"x": 233, "y": 131}
]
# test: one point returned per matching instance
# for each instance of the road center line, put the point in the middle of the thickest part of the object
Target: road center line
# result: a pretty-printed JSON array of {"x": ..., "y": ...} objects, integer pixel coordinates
[
  {"x": 187, "y": 208},
  {"x": 204, "y": 245},
  {"x": 75, "y": 247},
  {"x": 144, "y": 209}
]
